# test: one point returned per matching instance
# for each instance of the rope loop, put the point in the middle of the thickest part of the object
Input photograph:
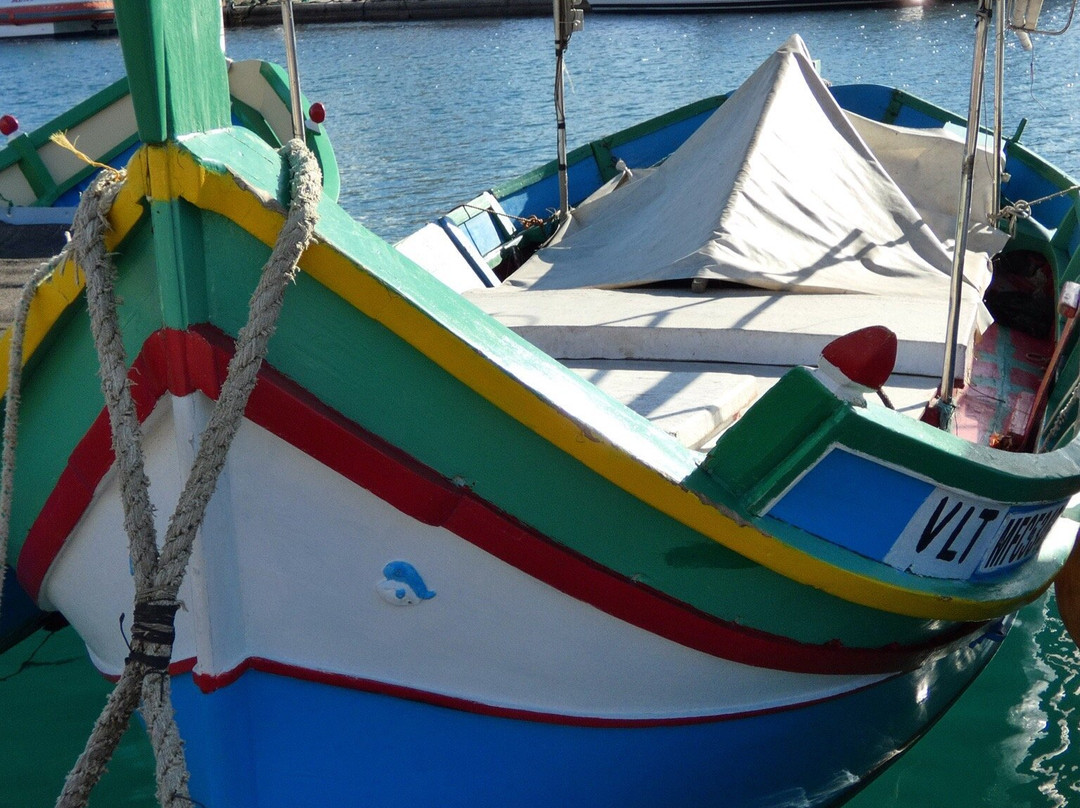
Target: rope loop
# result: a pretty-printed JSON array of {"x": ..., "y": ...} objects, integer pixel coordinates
[
  {"x": 158, "y": 574},
  {"x": 1018, "y": 210}
]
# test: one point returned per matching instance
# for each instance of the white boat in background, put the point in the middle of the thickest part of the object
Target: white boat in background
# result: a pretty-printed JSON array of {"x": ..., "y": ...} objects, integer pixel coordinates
[
  {"x": 19, "y": 18},
  {"x": 651, "y": 6}
]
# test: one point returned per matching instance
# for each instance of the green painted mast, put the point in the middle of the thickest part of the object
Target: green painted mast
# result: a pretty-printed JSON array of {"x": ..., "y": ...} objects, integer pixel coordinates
[
  {"x": 175, "y": 65},
  {"x": 179, "y": 86}
]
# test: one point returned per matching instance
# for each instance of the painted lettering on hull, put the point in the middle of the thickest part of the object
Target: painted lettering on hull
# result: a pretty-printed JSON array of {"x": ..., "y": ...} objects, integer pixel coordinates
[
  {"x": 1021, "y": 536},
  {"x": 953, "y": 536}
]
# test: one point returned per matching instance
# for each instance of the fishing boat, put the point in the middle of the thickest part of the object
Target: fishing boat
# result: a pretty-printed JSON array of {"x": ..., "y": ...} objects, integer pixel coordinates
[
  {"x": 704, "y": 465},
  {"x": 700, "y": 6},
  {"x": 25, "y": 18},
  {"x": 41, "y": 180}
]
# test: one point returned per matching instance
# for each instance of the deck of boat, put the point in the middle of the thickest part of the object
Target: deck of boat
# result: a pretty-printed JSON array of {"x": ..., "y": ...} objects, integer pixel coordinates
[{"x": 694, "y": 363}]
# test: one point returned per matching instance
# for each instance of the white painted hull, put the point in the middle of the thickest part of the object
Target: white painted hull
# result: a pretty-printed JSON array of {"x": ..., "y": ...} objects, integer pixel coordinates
[
  {"x": 489, "y": 687},
  {"x": 289, "y": 561}
]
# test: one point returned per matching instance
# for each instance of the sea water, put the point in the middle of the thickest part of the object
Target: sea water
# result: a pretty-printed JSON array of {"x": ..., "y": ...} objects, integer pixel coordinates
[{"x": 424, "y": 115}]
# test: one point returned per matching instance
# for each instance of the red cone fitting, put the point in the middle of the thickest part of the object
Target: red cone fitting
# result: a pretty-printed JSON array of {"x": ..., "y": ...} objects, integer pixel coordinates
[{"x": 866, "y": 356}]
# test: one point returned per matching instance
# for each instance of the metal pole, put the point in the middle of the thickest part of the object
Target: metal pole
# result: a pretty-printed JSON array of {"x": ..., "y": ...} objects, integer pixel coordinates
[
  {"x": 293, "y": 70},
  {"x": 963, "y": 216},
  {"x": 999, "y": 98},
  {"x": 561, "y": 41}
]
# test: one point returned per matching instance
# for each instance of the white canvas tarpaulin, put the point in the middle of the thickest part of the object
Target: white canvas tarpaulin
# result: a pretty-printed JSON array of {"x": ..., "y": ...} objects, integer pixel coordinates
[
  {"x": 925, "y": 163},
  {"x": 776, "y": 190}
]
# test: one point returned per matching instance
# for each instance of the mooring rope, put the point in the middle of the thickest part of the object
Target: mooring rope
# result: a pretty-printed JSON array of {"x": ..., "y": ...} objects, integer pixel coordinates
[
  {"x": 12, "y": 400},
  {"x": 158, "y": 576}
]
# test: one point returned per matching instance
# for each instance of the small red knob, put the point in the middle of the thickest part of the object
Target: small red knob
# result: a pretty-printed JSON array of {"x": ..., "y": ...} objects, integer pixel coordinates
[
  {"x": 866, "y": 356},
  {"x": 8, "y": 124},
  {"x": 317, "y": 112}
]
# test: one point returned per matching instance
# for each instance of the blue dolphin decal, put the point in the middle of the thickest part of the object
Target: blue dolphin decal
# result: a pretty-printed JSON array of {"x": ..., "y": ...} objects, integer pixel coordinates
[{"x": 405, "y": 573}]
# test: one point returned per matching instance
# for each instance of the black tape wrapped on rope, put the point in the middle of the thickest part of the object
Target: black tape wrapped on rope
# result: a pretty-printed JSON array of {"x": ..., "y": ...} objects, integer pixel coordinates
[{"x": 153, "y": 625}]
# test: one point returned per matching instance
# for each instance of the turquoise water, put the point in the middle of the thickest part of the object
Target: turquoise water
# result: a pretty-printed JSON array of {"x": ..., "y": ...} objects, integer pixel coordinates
[{"x": 424, "y": 115}]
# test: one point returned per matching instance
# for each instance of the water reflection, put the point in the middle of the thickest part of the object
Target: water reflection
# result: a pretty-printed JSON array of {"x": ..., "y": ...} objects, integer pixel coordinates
[{"x": 995, "y": 755}]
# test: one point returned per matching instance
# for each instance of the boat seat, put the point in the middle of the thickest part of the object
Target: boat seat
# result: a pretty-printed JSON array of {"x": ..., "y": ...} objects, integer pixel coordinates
[
  {"x": 691, "y": 406},
  {"x": 433, "y": 249},
  {"x": 745, "y": 326}
]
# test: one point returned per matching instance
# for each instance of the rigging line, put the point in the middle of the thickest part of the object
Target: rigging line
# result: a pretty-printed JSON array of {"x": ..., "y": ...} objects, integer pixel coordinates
[
  {"x": 1021, "y": 209},
  {"x": 529, "y": 220},
  {"x": 30, "y": 663}
]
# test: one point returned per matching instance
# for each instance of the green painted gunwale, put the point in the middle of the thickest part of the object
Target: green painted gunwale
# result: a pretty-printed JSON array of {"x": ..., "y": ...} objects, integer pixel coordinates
[{"x": 893, "y": 438}]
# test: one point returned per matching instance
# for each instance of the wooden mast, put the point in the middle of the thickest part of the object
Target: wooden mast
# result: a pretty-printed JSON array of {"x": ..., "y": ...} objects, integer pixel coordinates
[
  {"x": 179, "y": 86},
  {"x": 175, "y": 65}
]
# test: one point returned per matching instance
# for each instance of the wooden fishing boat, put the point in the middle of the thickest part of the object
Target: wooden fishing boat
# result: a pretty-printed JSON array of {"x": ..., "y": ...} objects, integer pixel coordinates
[
  {"x": 700, "y": 6},
  {"x": 40, "y": 180},
  {"x": 22, "y": 18},
  {"x": 487, "y": 532}
]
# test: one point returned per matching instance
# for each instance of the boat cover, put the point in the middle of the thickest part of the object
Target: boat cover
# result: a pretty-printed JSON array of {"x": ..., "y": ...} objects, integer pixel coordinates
[{"x": 779, "y": 190}]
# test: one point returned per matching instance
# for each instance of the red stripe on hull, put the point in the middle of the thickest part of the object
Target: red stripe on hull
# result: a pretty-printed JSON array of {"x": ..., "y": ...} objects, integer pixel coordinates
[
  {"x": 208, "y": 684},
  {"x": 184, "y": 362}
]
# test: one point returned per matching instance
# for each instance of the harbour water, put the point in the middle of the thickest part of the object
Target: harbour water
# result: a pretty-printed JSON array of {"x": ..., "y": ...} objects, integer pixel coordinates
[{"x": 426, "y": 114}]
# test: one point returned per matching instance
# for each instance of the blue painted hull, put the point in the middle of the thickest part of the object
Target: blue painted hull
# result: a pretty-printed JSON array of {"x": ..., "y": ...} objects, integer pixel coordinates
[{"x": 272, "y": 740}]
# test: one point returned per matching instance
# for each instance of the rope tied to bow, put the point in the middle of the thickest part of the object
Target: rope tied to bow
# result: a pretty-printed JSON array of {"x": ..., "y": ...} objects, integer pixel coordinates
[{"x": 158, "y": 575}]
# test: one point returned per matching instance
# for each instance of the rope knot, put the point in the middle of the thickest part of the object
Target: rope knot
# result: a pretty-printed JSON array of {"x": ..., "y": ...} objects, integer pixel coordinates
[
  {"x": 1020, "y": 209},
  {"x": 1014, "y": 213}
]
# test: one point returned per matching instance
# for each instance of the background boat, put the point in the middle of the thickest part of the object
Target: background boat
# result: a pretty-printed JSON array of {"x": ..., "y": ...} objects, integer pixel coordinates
[
  {"x": 699, "y": 6},
  {"x": 41, "y": 179},
  {"x": 56, "y": 18}
]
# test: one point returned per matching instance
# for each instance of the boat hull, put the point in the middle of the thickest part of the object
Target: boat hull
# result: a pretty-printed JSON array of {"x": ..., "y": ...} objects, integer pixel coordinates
[
  {"x": 317, "y": 743},
  {"x": 329, "y": 635},
  {"x": 437, "y": 554}
]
